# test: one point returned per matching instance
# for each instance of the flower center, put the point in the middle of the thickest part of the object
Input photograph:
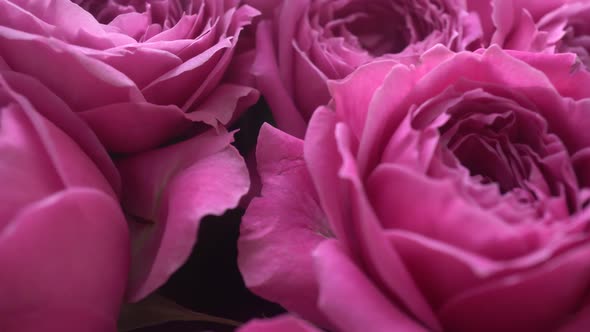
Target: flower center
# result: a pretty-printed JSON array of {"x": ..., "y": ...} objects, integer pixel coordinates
[
  {"x": 501, "y": 143},
  {"x": 165, "y": 13},
  {"x": 577, "y": 38},
  {"x": 381, "y": 27}
]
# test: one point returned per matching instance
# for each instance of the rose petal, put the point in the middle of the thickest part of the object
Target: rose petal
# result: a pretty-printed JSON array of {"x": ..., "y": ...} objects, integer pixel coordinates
[
  {"x": 340, "y": 279},
  {"x": 489, "y": 307},
  {"x": 280, "y": 229},
  {"x": 133, "y": 127},
  {"x": 48, "y": 279},
  {"x": 173, "y": 188}
]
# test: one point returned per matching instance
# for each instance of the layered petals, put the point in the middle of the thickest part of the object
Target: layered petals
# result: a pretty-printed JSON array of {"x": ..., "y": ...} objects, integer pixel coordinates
[
  {"x": 136, "y": 61},
  {"x": 303, "y": 44},
  {"x": 64, "y": 242},
  {"x": 276, "y": 240},
  {"x": 167, "y": 192},
  {"x": 455, "y": 192}
]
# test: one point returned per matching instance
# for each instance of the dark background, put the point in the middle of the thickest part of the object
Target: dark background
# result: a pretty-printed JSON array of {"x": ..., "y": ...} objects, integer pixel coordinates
[{"x": 210, "y": 282}]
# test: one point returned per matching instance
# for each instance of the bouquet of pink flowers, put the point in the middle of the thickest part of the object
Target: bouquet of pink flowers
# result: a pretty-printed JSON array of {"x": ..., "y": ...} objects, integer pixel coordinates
[{"x": 295, "y": 165}]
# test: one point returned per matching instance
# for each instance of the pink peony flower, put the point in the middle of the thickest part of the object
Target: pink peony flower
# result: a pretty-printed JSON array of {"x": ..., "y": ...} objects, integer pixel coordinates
[
  {"x": 149, "y": 78},
  {"x": 307, "y": 42},
  {"x": 64, "y": 243},
  {"x": 446, "y": 196},
  {"x": 538, "y": 26}
]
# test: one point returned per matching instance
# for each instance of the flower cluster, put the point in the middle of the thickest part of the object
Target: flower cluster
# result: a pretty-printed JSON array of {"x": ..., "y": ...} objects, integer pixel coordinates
[{"x": 424, "y": 166}]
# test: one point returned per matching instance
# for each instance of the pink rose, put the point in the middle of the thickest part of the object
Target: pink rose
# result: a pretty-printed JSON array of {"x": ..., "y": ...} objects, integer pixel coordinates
[
  {"x": 539, "y": 26},
  {"x": 149, "y": 78},
  {"x": 446, "y": 196},
  {"x": 308, "y": 42},
  {"x": 64, "y": 246},
  {"x": 142, "y": 76}
]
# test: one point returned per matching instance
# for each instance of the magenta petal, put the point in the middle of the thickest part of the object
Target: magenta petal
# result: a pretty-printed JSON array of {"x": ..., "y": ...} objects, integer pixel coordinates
[
  {"x": 265, "y": 6},
  {"x": 323, "y": 161},
  {"x": 178, "y": 85},
  {"x": 373, "y": 245},
  {"x": 133, "y": 127},
  {"x": 57, "y": 112},
  {"x": 394, "y": 191},
  {"x": 353, "y": 94},
  {"x": 280, "y": 229},
  {"x": 64, "y": 264},
  {"x": 63, "y": 69},
  {"x": 310, "y": 88},
  {"x": 285, "y": 323},
  {"x": 351, "y": 300},
  {"x": 170, "y": 190},
  {"x": 140, "y": 63},
  {"x": 490, "y": 307},
  {"x": 580, "y": 322},
  {"x": 269, "y": 83},
  {"x": 226, "y": 102}
]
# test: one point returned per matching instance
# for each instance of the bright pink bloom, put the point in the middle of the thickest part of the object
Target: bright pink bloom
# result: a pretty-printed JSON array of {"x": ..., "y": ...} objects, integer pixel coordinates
[
  {"x": 149, "y": 78},
  {"x": 456, "y": 191},
  {"x": 538, "y": 26},
  {"x": 64, "y": 243},
  {"x": 307, "y": 42}
]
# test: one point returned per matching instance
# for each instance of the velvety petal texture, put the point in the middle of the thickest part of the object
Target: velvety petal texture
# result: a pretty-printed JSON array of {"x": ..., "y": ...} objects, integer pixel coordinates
[
  {"x": 539, "y": 26},
  {"x": 302, "y": 44},
  {"x": 454, "y": 191},
  {"x": 64, "y": 243},
  {"x": 139, "y": 68},
  {"x": 149, "y": 78},
  {"x": 282, "y": 227},
  {"x": 166, "y": 193}
]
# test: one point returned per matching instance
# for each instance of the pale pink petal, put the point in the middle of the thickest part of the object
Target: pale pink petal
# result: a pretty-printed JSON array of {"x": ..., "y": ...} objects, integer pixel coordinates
[
  {"x": 393, "y": 190},
  {"x": 268, "y": 79},
  {"x": 227, "y": 102},
  {"x": 62, "y": 70},
  {"x": 178, "y": 84},
  {"x": 140, "y": 63},
  {"x": 373, "y": 246},
  {"x": 323, "y": 162},
  {"x": 353, "y": 94},
  {"x": 580, "y": 322},
  {"x": 56, "y": 111}
]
